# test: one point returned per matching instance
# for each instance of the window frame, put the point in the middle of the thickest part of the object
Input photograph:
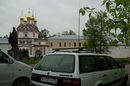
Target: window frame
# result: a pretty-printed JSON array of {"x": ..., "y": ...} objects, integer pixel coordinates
[
  {"x": 96, "y": 57},
  {"x": 40, "y": 63},
  {"x": 117, "y": 64}
]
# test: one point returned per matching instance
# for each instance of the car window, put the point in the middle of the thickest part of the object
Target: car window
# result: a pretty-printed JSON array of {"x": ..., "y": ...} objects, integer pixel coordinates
[
  {"x": 92, "y": 63},
  {"x": 113, "y": 63},
  {"x": 87, "y": 63},
  {"x": 3, "y": 58},
  {"x": 57, "y": 63},
  {"x": 103, "y": 63}
]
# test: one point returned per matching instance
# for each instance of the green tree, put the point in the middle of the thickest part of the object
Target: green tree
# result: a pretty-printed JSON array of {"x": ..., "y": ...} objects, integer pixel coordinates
[
  {"x": 97, "y": 31},
  {"x": 6, "y": 36},
  {"x": 70, "y": 32},
  {"x": 114, "y": 42},
  {"x": 120, "y": 10},
  {"x": 43, "y": 33}
]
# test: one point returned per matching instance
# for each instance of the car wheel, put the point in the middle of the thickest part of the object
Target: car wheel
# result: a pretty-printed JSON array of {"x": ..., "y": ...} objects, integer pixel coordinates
[
  {"x": 21, "y": 82},
  {"x": 100, "y": 85},
  {"x": 125, "y": 81}
]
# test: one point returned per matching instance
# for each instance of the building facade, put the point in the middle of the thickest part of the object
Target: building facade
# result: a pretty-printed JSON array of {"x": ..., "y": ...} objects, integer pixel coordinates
[
  {"x": 66, "y": 41},
  {"x": 28, "y": 36}
]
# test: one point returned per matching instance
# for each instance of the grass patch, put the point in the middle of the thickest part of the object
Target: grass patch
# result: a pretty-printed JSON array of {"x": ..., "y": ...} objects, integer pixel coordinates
[
  {"x": 30, "y": 61},
  {"x": 123, "y": 61}
]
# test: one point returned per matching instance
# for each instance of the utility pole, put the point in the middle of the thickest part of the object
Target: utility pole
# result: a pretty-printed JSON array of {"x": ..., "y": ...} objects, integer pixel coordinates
[{"x": 79, "y": 24}]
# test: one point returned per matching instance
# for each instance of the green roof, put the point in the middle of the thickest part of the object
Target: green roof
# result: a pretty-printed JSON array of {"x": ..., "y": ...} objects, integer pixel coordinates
[{"x": 65, "y": 37}]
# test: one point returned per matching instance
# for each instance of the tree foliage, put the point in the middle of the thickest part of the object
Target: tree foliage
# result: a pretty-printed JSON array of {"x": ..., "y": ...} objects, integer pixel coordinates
[
  {"x": 97, "y": 31},
  {"x": 70, "y": 32},
  {"x": 120, "y": 10},
  {"x": 6, "y": 36},
  {"x": 43, "y": 33}
]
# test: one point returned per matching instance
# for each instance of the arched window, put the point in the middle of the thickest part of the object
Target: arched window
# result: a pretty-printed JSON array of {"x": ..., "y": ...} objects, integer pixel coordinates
[
  {"x": 74, "y": 44},
  {"x": 60, "y": 44},
  {"x": 64, "y": 44},
  {"x": 26, "y": 34},
  {"x": 51, "y": 44},
  {"x": 79, "y": 44},
  {"x": 69, "y": 44}
]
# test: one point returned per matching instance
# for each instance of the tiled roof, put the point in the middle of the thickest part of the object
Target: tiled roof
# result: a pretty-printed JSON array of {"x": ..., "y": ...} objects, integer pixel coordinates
[
  {"x": 63, "y": 37},
  {"x": 27, "y": 27},
  {"x": 3, "y": 40}
]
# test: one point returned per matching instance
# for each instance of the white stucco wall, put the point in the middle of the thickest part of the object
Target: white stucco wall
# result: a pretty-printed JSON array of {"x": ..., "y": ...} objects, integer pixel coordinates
[
  {"x": 120, "y": 52},
  {"x": 36, "y": 35},
  {"x": 29, "y": 35},
  {"x": 20, "y": 35},
  {"x": 5, "y": 47}
]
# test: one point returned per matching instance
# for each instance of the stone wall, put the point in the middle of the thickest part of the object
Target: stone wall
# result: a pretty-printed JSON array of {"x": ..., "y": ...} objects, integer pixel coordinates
[{"x": 120, "y": 51}]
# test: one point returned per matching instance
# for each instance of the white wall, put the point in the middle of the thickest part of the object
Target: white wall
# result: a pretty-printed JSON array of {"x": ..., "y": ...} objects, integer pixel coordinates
[
  {"x": 5, "y": 47},
  {"x": 36, "y": 35},
  {"x": 20, "y": 35},
  {"x": 29, "y": 35},
  {"x": 120, "y": 52}
]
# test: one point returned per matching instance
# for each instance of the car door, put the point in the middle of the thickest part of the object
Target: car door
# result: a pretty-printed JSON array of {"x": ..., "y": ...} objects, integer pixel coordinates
[
  {"x": 88, "y": 70},
  {"x": 105, "y": 72},
  {"x": 116, "y": 71},
  {"x": 5, "y": 70},
  {"x": 94, "y": 70}
]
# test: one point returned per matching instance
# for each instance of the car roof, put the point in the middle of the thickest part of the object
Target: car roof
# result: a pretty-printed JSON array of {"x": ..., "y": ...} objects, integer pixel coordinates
[{"x": 74, "y": 53}]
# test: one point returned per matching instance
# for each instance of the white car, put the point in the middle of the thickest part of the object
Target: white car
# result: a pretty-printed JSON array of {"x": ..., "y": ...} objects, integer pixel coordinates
[
  {"x": 78, "y": 69},
  {"x": 12, "y": 72}
]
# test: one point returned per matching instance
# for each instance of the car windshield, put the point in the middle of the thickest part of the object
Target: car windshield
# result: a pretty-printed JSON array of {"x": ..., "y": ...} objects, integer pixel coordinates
[{"x": 57, "y": 63}]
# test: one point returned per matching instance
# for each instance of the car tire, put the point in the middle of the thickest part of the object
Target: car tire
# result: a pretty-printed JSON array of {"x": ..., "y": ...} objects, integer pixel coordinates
[
  {"x": 21, "y": 82},
  {"x": 125, "y": 81},
  {"x": 100, "y": 85}
]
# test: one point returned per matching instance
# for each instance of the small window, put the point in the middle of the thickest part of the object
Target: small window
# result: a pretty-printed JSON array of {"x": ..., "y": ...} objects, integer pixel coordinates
[
  {"x": 25, "y": 34},
  {"x": 28, "y": 41},
  {"x": 23, "y": 42},
  {"x": 74, "y": 44},
  {"x": 79, "y": 44},
  {"x": 69, "y": 44},
  {"x": 30, "y": 50},
  {"x": 65, "y": 44},
  {"x": 60, "y": 44},
  {"x": 51, "y": 44},
  {"x": 20, "y": 41}
]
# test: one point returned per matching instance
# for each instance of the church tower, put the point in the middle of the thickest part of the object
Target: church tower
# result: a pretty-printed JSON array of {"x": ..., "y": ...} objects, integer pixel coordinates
[
  {"x": 28, "y": 36},
  {"x": 28, "y": 27}
]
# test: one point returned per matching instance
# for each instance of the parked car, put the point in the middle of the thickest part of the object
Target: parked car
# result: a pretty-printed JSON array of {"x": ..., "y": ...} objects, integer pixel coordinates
[
  {"x": 12, "y": 72},
  {"x": 78, "y": 69}
]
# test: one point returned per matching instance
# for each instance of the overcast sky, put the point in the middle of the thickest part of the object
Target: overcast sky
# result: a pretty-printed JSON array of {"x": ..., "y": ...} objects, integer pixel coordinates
[{"x": 54, "y": 15}]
